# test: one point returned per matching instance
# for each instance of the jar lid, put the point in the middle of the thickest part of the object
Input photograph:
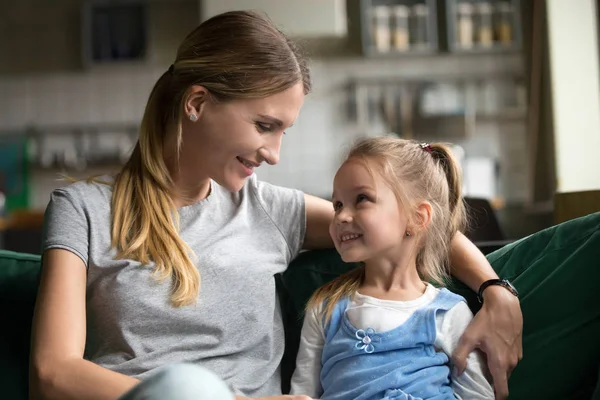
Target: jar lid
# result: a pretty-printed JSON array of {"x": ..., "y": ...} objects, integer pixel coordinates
[
  {"x": 484, "y": 8},
  {"x": 465, "y": 8},
  {"x": 400, "y": 11},
  {"x": 381, "y": 11},
  {"x": 503, "y": 6},
  {"x": 420, "y": 9}
]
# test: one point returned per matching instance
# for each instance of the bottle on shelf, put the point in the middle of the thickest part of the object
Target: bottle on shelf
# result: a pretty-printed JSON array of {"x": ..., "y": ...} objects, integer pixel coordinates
[
  {"x": 400, "y": 37},
  {"x": 381, "y": 32},
  {"x": 503, "y": 25},
  {"x": 419, "y": 26},
  {"x": 483, "y": 28},
  {"x": 464, "y": 25}
]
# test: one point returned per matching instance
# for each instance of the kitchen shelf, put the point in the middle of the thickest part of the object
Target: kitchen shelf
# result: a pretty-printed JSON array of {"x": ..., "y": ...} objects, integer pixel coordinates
[
  {"x": 448, "y": 24},
  {"x": 76, "y": 147},
  {"x": 381, "y": 36},
  {"x": 462, "y": 18},
  {"x": 451, "y": 107},
  {"x": 447, "y": 126}
]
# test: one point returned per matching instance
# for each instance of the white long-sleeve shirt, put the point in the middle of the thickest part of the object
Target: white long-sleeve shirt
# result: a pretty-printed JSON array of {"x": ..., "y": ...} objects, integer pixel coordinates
[{"x": 383, "y": 315}]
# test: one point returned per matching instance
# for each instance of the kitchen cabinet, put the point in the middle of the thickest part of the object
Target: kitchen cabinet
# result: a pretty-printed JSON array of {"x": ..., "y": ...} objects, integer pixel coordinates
[
  {"x": 298, "y": 18},
  {"x": 39, "y": 36},
  {"x": 45, "y": 37}
]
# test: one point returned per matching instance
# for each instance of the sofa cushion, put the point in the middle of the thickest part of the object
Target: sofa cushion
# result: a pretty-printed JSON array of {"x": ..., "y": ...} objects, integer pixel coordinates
[
  {"x": 557, "y": 273},
  {"x": 19, "y": 277}
]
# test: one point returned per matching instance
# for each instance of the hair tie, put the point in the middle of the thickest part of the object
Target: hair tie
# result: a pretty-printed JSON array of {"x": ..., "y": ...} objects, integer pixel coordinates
[
  {"x": 426, "y": 147},
  {"x": 171, "y": 69}
]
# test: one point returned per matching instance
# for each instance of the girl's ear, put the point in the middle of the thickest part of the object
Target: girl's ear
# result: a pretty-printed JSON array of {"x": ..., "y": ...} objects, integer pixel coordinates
[{"x": 423, "y": 216}]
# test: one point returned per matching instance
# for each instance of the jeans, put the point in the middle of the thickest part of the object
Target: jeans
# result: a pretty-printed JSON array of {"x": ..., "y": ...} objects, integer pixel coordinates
[{"x": 180, "y": 382}]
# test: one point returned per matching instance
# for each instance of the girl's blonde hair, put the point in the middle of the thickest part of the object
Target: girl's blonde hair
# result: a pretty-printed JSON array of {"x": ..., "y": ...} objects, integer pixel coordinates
[
  {"x": 235, "y": 55},
  {"x": 416, "y": 173}
]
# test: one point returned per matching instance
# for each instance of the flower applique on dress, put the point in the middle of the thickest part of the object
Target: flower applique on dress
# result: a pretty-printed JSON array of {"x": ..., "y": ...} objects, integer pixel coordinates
[
  {"x": 397, "y": 394},
  {"x": 366, "y": 338}
]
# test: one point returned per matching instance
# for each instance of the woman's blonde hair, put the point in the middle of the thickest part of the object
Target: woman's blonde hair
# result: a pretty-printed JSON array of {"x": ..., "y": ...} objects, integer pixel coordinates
[
  {"x": 416, "y": 173},
  {"x": 235, "y": 55}
]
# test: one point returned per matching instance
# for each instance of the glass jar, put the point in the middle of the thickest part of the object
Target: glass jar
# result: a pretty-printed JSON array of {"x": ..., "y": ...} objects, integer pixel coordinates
[
  {"x": 419, "y": 26},
  {"x": 464, "y": 25},
  {"x": 503, "y": 26},
  {"x": 400, "y": 37},
  {"x": 483, "y": 28},
  {"x": 381, "y": 28}
]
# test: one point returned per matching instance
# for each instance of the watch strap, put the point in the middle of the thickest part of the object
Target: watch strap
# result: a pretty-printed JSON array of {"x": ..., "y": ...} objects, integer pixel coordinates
[{"x": 496, "y": 282}]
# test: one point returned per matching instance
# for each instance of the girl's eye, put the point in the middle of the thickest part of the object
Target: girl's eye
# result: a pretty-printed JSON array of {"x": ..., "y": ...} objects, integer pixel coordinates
[
  {"x": 361, "y": 197},
  {"x": 337, "y": 206},
  {"x": 264, "y": 127}
]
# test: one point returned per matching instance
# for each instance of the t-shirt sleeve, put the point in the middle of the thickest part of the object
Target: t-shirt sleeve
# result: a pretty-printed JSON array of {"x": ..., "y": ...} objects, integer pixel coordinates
[
  {"x": 286, "y": 209},
  {"x": 473, "y": 383},
  {"x": 306, "y": 379},
  {"x": 66, "y": 225}
]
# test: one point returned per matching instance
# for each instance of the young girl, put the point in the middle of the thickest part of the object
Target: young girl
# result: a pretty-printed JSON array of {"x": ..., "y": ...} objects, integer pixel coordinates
[{"x": 382, "y": 331}]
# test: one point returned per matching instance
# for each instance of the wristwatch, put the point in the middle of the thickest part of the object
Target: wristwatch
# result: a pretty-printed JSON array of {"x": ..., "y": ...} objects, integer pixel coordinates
[{"x": 500, "y": 282}]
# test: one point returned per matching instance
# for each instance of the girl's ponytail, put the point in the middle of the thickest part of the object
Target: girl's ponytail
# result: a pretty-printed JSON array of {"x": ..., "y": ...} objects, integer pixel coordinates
[{"x": 443, "y": 154}]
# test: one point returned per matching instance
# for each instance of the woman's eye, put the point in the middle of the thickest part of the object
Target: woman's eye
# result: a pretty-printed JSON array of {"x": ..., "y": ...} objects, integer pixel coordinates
[{"x": 264, "y": 127}]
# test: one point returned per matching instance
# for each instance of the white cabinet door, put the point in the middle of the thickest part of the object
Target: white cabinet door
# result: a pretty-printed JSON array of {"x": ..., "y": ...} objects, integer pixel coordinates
[{"x": 306, "y": 18}]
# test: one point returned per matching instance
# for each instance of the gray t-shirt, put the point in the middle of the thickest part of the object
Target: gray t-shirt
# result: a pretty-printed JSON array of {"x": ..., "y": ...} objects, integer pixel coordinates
[{"x": 241, "y": 241}]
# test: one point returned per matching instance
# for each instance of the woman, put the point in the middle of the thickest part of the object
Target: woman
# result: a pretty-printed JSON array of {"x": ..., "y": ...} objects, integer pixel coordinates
[{"x": 172, "y": 260}]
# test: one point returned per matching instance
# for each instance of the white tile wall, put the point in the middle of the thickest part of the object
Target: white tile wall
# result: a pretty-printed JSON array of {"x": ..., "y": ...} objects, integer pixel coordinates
[
  {"x": 312, "y": 149},
  {"x": 109, "y": 95}
]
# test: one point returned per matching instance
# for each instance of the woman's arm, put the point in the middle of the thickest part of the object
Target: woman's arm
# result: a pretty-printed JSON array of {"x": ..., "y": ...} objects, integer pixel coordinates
[
  {"x": 468, "y": 264},
  {"x": 319, "y": 214},
  {"x": 497, "y": 328},
  {"x": 57, "y": 367}
]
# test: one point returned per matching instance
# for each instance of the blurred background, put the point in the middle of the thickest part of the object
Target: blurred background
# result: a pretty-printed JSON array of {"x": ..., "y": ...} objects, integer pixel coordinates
[{"x": 513, "y": 84}]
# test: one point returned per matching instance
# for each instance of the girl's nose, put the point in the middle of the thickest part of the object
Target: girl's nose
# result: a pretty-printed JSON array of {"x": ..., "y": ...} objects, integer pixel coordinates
[{"x": 344, "y": 216}]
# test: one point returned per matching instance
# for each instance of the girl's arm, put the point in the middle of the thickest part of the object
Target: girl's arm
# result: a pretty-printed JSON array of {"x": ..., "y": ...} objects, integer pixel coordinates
[
  {"x": 58, "y": 370},
  {"x": 497, "y": 328},
  {"x": 306, "y": 379},
  {"x": 473, "y": 383}
]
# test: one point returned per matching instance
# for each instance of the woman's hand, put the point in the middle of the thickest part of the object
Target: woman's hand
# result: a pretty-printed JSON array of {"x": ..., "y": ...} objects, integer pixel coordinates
[{"x": 497, "y": 330}]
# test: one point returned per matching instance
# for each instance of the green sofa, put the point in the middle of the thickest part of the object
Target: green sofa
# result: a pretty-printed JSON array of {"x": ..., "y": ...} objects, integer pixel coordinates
[{"x": 555, "y": 270}]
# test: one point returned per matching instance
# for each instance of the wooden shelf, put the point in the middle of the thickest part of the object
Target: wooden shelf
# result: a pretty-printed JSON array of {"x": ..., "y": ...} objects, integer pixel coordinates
[
  {"x": 23, "y": 219},
  {"x": 446, "y": 126}
]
